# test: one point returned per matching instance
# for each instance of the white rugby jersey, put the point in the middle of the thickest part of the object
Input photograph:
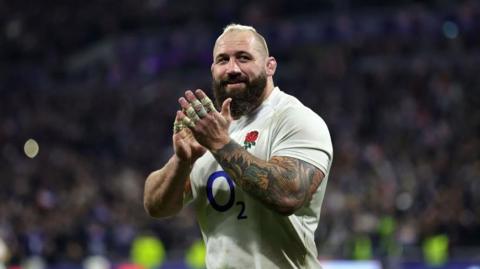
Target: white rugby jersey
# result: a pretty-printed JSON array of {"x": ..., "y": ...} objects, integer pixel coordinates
[{"x": 239, "y": 231}]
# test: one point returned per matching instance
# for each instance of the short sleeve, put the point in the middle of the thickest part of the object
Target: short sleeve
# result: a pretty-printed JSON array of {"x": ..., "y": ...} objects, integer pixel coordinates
[{"x": 300, "y": 133}]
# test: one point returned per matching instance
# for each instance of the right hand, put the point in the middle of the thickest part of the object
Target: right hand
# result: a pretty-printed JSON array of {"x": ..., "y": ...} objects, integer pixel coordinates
[
  {"x": 186, "y": 147},
  {"x": 210, "y": 127}
]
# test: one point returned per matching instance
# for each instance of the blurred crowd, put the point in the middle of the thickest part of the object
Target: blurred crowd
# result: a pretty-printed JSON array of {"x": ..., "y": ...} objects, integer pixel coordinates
[{"x": 95, "y": 83}]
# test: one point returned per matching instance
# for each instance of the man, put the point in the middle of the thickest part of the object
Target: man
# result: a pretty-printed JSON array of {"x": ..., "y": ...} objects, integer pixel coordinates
[{"x": 255, "y": 172}]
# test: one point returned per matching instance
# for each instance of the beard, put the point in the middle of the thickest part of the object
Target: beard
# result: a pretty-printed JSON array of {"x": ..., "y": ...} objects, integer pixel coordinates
[{"x": 244, "y": 101}]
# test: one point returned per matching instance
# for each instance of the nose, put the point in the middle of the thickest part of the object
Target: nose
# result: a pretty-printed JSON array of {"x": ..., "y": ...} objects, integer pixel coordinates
[{"x": 232, "y": 67}]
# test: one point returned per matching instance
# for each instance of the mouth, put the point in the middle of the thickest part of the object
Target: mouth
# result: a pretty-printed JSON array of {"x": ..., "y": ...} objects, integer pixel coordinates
[
  {"x": 235, "y": 81},
  {"x": 233, "y": 84}
]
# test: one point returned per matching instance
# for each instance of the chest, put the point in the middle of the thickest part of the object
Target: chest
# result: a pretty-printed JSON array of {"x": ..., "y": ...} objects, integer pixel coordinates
[
  {"x": 255, "y": 137},
  {"x": 216, "y": 197},
  {"x": 256, "y": 140}
]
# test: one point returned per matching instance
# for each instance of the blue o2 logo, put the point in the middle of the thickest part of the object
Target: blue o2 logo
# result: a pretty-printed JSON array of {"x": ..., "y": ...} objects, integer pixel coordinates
[{"x": 222, "y": 175}]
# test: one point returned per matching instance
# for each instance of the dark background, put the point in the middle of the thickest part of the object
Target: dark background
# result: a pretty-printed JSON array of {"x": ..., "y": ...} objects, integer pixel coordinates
[{"x": 95, "y": 83}]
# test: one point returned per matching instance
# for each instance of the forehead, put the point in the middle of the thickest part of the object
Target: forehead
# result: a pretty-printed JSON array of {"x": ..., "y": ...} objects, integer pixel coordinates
[{"x": 232, "y": 42}]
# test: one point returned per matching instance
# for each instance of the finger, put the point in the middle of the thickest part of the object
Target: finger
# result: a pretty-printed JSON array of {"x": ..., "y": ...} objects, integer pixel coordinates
[
  {"x": 226, "y": 108},
  {"x": 199, "y": 108},
  {"x": 206, "y": 102},
  {"x": 178, "y": 125},
  {"x": 200, "y": 94},
  {"x": 192, "y": 114},
  {"x": 196, "y": 104},
  {"x": 185, "y": 120},
  {"x": 188, "y": 109}
]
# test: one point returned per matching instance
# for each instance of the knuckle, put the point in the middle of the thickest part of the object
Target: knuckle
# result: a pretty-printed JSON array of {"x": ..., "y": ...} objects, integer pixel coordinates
[{"x": 210, "y": 117}]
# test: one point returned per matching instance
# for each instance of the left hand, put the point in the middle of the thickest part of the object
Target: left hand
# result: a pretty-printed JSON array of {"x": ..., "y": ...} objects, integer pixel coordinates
[{"x": 209, "y": 127}]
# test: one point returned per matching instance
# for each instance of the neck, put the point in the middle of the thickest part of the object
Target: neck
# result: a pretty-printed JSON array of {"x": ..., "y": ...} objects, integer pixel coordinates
[{"x": 268, "y": 89}]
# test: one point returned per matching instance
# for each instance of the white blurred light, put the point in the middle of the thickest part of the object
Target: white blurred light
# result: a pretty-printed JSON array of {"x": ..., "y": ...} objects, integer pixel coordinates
[
  {"x": 343, "y": 264},
  {"x": 404, "y": 201},
  {"x": 96, "y": 262},
  {"x": 3, "y": 252},
  {"x": 34, "y": 262},
  {"x": 450, "y": 29},
  {"x": 31, "y": 148}
]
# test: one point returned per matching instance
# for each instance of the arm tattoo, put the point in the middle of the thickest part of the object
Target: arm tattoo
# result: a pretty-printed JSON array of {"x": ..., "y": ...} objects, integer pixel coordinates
[{"x": 284, "y": 183}]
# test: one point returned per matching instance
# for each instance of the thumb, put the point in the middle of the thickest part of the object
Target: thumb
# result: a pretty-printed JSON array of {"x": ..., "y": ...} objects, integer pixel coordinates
[{"x": 226, "y": 109}]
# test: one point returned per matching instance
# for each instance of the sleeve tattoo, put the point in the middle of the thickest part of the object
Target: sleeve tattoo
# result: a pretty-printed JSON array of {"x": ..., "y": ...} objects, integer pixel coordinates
[{"x": 284, "y": 183}]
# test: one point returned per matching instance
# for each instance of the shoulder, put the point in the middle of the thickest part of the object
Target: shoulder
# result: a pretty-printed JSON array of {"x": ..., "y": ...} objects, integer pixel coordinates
[
  {"x": 289, "y": 110},
  {"x": 297, "y": 125}
]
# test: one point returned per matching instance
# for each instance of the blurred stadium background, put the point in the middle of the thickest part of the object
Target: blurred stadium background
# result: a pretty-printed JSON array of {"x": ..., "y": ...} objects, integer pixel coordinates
[{"x": 92, "y": 86}]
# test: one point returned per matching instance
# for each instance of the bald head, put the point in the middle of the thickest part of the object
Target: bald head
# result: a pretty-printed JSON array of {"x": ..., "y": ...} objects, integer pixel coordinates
[{"x": 257, "y": 40}]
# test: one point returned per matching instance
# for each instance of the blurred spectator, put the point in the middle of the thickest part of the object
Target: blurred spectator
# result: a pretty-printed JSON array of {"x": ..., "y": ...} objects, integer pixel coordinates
[{"x": 399, "y": 89}]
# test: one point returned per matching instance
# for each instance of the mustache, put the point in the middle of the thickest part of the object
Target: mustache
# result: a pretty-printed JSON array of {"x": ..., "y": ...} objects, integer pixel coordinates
[{"x": 235, "y": 79}]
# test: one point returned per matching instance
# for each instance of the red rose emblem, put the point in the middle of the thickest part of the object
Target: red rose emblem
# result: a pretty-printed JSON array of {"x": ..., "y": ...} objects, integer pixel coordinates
[
  {"x": 252, "y": 136},
  {"x": 250, "y": 139}
]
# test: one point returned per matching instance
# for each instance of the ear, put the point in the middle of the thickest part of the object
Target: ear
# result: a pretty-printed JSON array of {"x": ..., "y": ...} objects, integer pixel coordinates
[{"x": 271, "y": 66}]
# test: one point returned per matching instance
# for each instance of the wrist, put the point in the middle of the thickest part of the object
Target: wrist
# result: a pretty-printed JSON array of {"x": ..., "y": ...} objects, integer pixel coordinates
[
  {"x": 220, "y": 145},
  {"x": 180, "y": 163}
]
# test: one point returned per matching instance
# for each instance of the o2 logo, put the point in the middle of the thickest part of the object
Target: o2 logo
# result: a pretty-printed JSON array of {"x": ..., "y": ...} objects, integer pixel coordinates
[{"x": 222, "y": 175}]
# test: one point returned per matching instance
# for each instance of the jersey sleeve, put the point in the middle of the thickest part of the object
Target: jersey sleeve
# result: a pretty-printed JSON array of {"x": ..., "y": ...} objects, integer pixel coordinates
[{"x": 300, "y": 133}]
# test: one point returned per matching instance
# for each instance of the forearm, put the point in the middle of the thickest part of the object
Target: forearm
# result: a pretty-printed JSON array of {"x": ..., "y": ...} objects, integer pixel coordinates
[
  {"x": 283, "y": 184},
  {"x": 164, "y": 188}
]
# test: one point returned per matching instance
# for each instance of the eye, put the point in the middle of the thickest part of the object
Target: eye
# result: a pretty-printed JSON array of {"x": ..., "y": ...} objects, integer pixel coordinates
[
  {"x": 221, "y": 60},
  {"x": 244, "y": 58}
]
